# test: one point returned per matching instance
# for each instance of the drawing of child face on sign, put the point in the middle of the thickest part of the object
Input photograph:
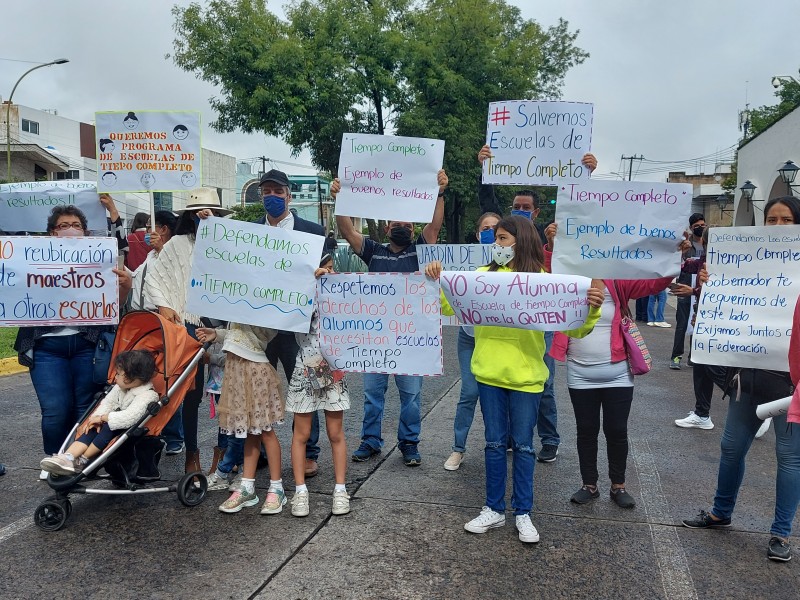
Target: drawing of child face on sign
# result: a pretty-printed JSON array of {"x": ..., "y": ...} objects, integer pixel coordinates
[
  {"x": 188, "y": 179},
  {"x": 109, "y": 179},
  {"x": 181, "y": 132},
  {"x": 106, "y": 145},
  {"x": 131, "y": 121},
  {"x": 147, "y": 179}
]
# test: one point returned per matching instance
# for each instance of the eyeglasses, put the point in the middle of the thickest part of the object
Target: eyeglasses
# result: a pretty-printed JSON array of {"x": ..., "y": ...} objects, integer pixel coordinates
[{"x": 64, "y": 226}]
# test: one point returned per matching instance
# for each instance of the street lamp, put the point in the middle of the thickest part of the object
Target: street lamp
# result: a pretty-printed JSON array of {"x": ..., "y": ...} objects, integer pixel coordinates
[
  {"x": 58, "y": 61},
  {"x": 722, "y": 202},
  {"x": 788, "y": 173},
  {"x": 747, "y": 191}
]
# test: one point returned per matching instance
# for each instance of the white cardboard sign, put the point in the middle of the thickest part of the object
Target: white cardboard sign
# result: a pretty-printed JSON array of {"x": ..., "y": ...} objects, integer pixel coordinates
[
  {"x": 388, "y": 177},
  {"x": 744, "y": 318},
  {"x": 58, "y": 281},
  {"x": 25, "y": 206},
  {"x": 537, "y": 143},
  {"x": 620, "y": 229},
  {"x": 255, "y": 274},
  {"x": 380, "y": 323}
]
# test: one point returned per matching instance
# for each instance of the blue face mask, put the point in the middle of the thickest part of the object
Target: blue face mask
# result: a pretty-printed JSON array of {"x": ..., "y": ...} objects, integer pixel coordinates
[
  {"x": 196, "y": 220},
  {"x": 147, "y": 238},
  {"x": 274, "y": 205},
  {"x": 486, "y": 236},
  {"x": 522, "y": 213}
]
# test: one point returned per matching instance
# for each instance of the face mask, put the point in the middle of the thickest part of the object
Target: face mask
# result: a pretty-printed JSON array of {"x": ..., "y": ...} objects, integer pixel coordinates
[
  {"x": 147, "y": 238},
  {"x": 196, "y": 220},
  {"x": 400, "y": 236},
  {"x": 522, "y": 213},
  {"x": 274, "y": 205},
  {"x": 486, "y": 236},
  {"x": 502, "y": 255},
  {"x": 71, "y": 232},
  {"x": 698, "y": 231}
]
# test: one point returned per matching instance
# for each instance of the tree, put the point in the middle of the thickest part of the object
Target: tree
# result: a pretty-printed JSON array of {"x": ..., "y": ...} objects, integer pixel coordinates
[
  {"x": 764, "y": 116},
  {"x": 248, "y": 212}
]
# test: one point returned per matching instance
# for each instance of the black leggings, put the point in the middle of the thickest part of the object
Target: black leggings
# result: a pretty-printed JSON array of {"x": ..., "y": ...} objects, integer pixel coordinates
[
  {"x": 99, "y": 438},
  {"x": 616, "y": 404}
]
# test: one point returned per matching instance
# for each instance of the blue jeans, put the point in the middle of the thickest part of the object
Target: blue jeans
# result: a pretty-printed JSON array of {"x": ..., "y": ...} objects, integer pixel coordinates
[
  {"x": 62, "y": 378},
  {"x": 234, "y": 454},
  {"x": 547, "y": 421},
  {"x": 656, "y": 314},
  {"x": 740, "y": 430},
  {"x": 509, "y": 413},
  {"x": 410, "y": 389},
  {"x": 465, "y": 410}
]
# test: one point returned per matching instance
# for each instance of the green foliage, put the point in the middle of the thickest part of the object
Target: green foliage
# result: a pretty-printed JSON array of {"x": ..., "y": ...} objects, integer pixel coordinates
[
  {"x": 345, "y": 261},
  {"x": 7, "y": 337},
  {"x": 248, "y": 212},
  {"x": 764, "y": 116}
]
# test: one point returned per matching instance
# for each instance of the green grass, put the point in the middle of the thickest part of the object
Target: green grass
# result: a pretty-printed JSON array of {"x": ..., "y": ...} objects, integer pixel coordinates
[{"x": 7, "y": 337}]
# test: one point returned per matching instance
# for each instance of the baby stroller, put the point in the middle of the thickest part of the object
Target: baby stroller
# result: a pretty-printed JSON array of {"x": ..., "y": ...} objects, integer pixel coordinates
[{"x": 131, "y": 460}]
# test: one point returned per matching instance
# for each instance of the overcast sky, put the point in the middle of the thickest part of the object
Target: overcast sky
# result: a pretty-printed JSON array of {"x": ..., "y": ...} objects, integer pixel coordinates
[{"x": 667, "y": 78}]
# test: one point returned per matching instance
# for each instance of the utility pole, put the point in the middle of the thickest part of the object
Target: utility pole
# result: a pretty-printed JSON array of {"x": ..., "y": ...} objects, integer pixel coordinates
[
  {"x": 263, "y": 160},
  {"x": 630, "y": 160}
]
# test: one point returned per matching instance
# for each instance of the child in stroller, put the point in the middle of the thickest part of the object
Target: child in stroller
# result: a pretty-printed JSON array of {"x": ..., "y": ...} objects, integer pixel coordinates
[{"x": 124, "y": 405}]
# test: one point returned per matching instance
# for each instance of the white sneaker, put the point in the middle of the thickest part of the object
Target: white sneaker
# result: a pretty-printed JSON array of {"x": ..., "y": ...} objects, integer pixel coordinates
[
  {"x": 452, "y": 463},
  {"x": 43, "y": 475},
  {"x": 663, "y": 324},
  {"x": 300, "y": 504},
  {"x": 764, "y": 427},
  {"x": 486, "y": 521},
  {"x": 236, "y": 484},
  {"x": 694, "y": 421},
  {"x": 651, "y": 323},
  {"x": 217, "y": 483},
  {"x": 341, "y": 503},
  {"x": 527, "y": 532}
]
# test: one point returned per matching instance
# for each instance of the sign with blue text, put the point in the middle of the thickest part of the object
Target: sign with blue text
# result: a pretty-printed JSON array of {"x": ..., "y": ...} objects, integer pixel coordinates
[
  {"x": 25, "y": 206},
  {"x": 522, "y": 300},
  {"x": 380, "y": 323},
  {"x": 254, "y": 274},
  {"x": 620, "y": 229},
  {"x": 388, "y": 177},
  {"x": 744, "y": 317},
  {"x": 537, "y": 143},
  {"x": 58, "y": 281}
]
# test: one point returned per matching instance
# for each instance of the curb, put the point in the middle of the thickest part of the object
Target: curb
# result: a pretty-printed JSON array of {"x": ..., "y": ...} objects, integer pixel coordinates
[{"x": 11, "y": 366}]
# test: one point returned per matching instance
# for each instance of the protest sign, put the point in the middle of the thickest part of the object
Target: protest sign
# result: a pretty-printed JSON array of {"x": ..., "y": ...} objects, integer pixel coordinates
[
  {"x": 537, "y": 143},
  {"x": 266, "y": 273},
  {"x": 744, "y": 317},
  {"x": 380, "y": 323},
  {"x": 388, "y": 177},
  {"x": 148, "y": 151},
  {"x": 58, "y": 281},
  {"x": 620, "y": 229},
  {"x": 25, "y": 206},
  {"x": 523, "y": 300}
]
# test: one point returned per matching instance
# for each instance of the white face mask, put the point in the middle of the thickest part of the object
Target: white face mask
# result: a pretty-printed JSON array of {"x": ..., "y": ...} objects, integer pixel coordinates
[
  {"x": 71, "y": 232},
  {"x": 502, "y": 255}
]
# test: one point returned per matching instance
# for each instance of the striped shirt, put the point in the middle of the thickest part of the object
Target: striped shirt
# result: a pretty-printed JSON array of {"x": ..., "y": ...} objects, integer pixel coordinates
[{"x": 380, "y": 259}]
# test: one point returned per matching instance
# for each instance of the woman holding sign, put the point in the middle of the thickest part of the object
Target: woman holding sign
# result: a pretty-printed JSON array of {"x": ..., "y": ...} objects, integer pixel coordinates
[
  {"x": 599, "y": 378},
  {"x": 509, "y": 367},
  {"x": 742, "y": 424}
]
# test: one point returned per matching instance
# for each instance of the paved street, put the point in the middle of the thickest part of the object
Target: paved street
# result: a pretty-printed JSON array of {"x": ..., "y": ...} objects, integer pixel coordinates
[{"x": 404, "y": 537}]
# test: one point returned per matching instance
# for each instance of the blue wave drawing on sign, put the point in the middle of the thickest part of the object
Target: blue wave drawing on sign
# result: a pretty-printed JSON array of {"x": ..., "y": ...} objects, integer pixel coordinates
[{"x": 286, "y": 312}]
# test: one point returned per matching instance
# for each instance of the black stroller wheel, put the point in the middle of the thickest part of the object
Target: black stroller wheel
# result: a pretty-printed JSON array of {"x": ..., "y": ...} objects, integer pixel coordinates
[
  {"x": 51, "y": 515},
  {"x": 192, "y": 488}
]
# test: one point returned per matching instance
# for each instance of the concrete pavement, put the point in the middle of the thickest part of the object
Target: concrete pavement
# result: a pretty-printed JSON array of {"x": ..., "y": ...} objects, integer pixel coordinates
[{"x": 404, "y": 537}]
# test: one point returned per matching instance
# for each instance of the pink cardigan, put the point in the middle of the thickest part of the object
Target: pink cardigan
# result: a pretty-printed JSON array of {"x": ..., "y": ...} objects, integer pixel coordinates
[
  {"x": 793, "y": 416},
  {"x": 629, "y": 289}
]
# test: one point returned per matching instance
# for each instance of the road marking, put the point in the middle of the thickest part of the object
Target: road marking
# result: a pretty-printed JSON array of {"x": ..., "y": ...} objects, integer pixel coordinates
[
  {"x": 14, "y": 528},
  {"x": 676, "y": 578}
]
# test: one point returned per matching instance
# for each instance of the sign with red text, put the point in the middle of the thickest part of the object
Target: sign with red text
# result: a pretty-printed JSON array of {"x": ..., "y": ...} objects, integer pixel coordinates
[
  {"x": 745, "y": 313},
  {"x": 254, "y": 274},
  {"x": 380, "y": 323},
  {"x": 537, "y": 143},
  {"x": 148, "y": 151},
  {"x": 522, "y": 300},
  {"x": 620, "y": 229},
  {"x": 25, "y": 206},
  {"x": 58, "y": 281},
  {"x": 388, "y": 177}
]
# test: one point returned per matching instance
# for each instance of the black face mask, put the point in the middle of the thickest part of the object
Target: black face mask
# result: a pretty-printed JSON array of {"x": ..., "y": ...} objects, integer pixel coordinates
[
  {"x": 698, "y": 231},
  {"x": 400, "y": 236}
]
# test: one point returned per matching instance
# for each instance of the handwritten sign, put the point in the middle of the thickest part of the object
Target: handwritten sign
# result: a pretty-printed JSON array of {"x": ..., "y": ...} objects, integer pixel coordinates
[
  {"x": 523, "y": 300},
  {"x": 537, "y": 143},
  {"x": 381, "y": 323},
  {"x": 388, "y": 177},
  {"x": 26, "y": 206},
  {"x": 620, "y": 229},
  {"x": 148, "y": 151},
  {"x": 58, "y": 281},
  {"x": 266, "y": 273},
  {"x": 744, "y": 318}
]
